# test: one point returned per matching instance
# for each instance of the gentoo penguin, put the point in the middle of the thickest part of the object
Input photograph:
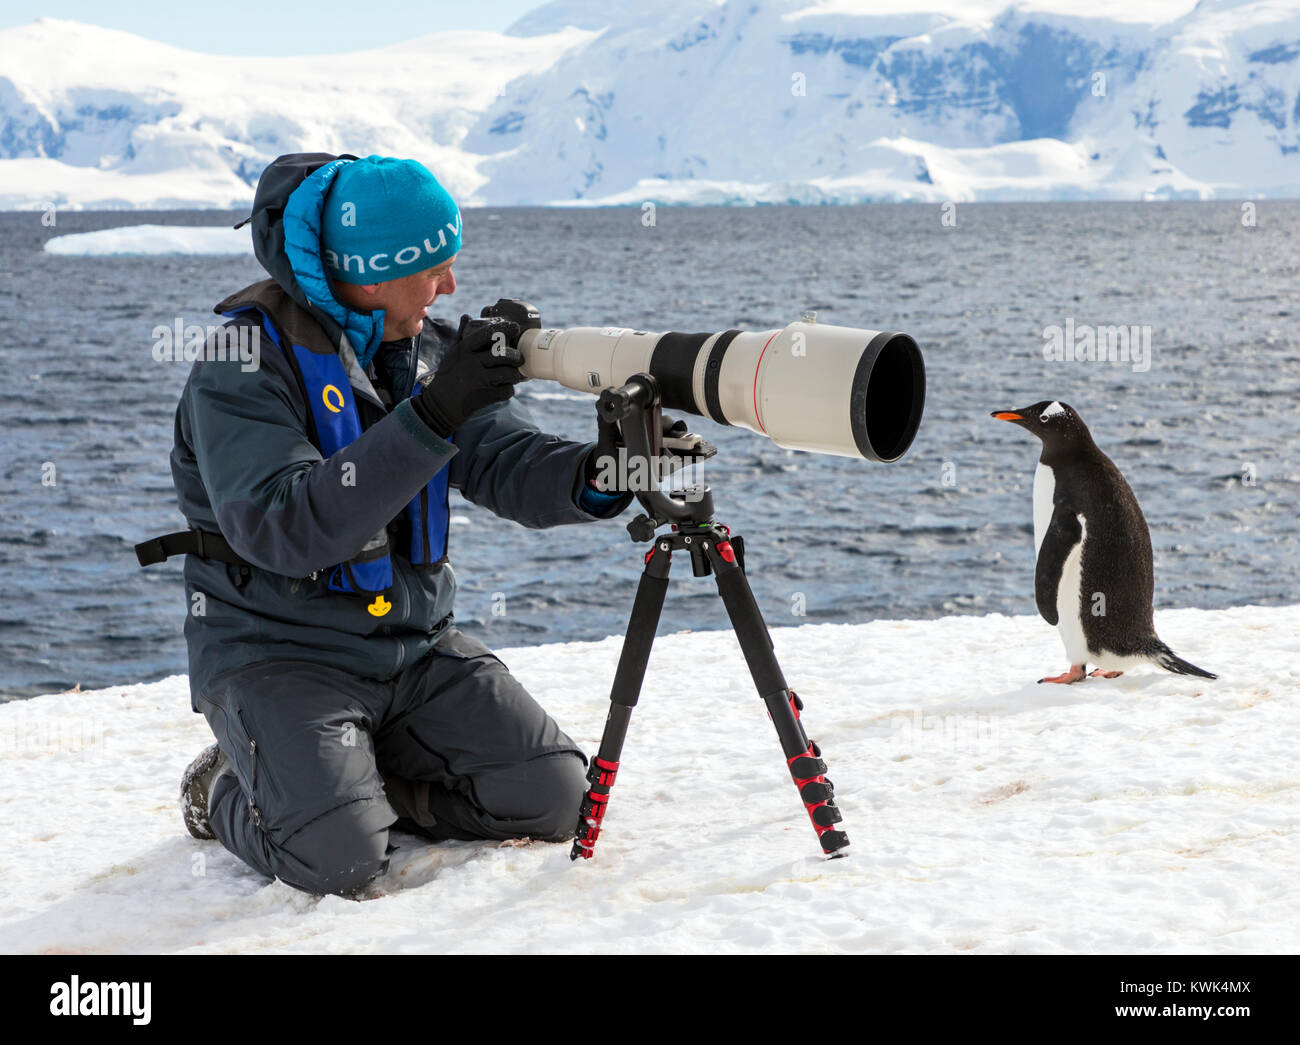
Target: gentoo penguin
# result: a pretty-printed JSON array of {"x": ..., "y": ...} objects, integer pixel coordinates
[{"x": 1093, "y": 579}]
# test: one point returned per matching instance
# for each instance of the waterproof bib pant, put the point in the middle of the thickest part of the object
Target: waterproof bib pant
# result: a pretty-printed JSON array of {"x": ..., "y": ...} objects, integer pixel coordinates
[{"x": 464, "y": 750}]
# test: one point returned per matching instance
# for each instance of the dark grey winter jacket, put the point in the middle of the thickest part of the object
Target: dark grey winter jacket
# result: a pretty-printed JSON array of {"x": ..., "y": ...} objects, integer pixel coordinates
[{"x": 244, "y": 465}]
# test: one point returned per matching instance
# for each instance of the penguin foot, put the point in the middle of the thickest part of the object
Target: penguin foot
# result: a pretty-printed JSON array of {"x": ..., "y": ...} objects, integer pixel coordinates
[
  {"x": 1098, "y": 673},
  {"x": 1075, "y": 674}
]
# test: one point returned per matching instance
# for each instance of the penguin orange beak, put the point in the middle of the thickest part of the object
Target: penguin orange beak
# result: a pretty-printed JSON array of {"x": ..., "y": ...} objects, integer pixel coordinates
[{"x": 1007, "y": 415}]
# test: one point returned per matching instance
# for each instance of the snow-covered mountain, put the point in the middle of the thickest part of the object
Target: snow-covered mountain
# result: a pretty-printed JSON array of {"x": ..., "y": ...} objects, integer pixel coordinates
[
  {"x": 593, "y": 101},
  {"x": 94, "y": 117}
]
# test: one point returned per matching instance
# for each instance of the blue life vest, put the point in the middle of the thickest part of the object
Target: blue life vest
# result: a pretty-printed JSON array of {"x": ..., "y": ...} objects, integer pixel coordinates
[{"x": 336, "y": 424}]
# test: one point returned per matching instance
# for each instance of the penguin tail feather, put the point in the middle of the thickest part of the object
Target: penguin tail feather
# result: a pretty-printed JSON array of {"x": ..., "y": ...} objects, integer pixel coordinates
[{"x": 1170, "y": 661}]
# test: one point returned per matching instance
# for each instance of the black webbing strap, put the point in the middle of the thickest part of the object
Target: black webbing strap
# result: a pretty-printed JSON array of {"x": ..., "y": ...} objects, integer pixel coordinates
[{"x": 202, "y": 543}]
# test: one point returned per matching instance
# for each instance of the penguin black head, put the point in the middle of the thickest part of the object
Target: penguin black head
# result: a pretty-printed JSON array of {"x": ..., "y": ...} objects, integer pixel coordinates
[{"x": 1055, "y": 423}]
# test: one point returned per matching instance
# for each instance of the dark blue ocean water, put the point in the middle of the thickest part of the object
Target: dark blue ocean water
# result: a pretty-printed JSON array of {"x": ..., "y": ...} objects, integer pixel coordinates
[{"x": 1207, "y": 436}]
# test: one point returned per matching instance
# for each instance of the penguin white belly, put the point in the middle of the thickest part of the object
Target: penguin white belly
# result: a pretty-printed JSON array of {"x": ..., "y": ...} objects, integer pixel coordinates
[
  {"x": 1044, "y": 491},
  {"x": 1117, "y": 662},
  {"x": 1069, "y": 600}
]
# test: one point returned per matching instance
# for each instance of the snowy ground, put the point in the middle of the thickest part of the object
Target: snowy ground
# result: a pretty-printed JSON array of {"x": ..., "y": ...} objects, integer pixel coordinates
[{"x": 1151, "y": 813}]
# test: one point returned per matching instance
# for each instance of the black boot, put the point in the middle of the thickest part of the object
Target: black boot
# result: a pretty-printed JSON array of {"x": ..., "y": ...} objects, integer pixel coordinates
[{"x": 196, "y": 786}]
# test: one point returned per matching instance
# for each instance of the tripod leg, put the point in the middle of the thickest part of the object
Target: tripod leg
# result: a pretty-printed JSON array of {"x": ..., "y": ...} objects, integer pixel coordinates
[
  {"x": 641, "y": 628},
  {"x": 803, "y": 758}
]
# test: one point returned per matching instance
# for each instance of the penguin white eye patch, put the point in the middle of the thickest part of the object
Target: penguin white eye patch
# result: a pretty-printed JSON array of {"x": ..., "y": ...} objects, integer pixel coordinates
[{"x": 1051, "y": 411}]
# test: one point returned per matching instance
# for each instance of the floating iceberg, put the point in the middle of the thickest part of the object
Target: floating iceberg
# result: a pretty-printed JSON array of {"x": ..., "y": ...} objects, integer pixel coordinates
[{"x": 153, "y": 239}]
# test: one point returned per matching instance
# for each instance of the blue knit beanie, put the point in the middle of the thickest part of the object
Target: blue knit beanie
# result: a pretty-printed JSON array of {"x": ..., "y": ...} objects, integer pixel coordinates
[{"x": 386, "y": 218}]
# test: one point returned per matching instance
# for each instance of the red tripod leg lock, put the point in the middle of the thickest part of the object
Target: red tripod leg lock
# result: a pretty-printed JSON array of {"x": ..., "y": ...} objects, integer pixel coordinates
[
  {"x": 592, "y": 811},
  {"x": 602, "y": 773},
  {"x": 817, "y": 793}
]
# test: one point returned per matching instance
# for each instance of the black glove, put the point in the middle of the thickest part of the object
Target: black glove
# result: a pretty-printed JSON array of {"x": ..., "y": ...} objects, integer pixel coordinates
[
  {"x": 479, "y": 369},
  {"x": 609, "y": 440}
]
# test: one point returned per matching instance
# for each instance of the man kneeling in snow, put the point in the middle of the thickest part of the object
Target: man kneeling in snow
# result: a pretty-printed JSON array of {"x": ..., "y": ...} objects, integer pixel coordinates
[{"x": 343, "y": 699}]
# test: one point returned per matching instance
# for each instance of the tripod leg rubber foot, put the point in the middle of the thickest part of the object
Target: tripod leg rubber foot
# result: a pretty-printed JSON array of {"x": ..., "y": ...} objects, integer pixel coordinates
[{"x": 833, "y": 841}]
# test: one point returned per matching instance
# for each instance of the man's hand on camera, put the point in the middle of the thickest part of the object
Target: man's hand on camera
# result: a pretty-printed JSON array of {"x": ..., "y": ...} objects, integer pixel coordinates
[{"x": 479, "y": 369}]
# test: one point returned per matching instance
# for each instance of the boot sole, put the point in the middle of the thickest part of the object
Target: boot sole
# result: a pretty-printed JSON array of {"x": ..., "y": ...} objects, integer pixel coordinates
[{"x": 194, "y": 815}]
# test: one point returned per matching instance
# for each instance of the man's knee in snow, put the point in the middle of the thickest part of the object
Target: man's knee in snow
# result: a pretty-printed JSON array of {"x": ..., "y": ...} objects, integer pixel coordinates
[
  {"x": 540, "y": 797},
  {"x": 340, "y": 851}
]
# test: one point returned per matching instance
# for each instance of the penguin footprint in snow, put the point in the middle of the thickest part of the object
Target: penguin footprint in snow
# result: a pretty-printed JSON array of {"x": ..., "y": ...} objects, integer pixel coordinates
[{"x": 1093, "y": 578}]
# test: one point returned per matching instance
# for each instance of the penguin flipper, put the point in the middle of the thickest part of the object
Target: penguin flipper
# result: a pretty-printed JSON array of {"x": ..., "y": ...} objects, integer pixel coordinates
[{"x": 1063, "y": 533}]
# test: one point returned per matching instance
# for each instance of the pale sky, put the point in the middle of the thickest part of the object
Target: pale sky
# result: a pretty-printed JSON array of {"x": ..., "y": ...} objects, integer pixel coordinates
[{"x": 259, "y": 27}]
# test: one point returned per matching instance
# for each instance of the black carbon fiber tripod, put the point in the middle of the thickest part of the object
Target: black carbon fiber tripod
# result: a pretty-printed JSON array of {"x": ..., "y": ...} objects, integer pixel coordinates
[{"x": 713, "y": 550}]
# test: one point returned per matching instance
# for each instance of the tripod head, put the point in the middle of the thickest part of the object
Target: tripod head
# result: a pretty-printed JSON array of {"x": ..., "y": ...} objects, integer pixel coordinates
[{"x": 653, "y": 455}]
